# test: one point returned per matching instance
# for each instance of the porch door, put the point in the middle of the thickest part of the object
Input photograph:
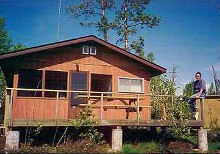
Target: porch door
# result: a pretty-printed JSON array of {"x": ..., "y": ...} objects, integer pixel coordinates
[{"x": 79, "y": 82}]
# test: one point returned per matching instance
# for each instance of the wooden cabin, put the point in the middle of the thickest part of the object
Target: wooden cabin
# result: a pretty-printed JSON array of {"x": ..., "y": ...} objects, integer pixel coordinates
[{"x": 49, "y": 84}]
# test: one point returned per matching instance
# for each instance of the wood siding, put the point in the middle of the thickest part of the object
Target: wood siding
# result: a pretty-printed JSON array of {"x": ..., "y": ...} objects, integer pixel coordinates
[{"x": 67, "y": 59}]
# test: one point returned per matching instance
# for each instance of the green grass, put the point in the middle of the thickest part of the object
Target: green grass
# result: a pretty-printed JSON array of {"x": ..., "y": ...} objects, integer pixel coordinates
[
  {"x": 213, "y": 146},
  {"x": 143, "y": 147}
]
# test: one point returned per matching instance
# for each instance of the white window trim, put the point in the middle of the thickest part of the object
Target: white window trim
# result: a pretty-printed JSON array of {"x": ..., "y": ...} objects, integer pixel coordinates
[
  {"x": 90, "y": 50},
  {"x": 142, "y": 79},
  {"x": 84, "y": 51}
]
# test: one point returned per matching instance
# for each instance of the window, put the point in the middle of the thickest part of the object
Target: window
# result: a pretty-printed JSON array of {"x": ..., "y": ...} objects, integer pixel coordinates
[
  {"x": 101, "y": 83},
  {"x": 55, "y": 80},
  {"x": 30, "y": 79},
  {"x": 89, "y": 50},
  {"x": 131, "y": 85},
  {"x": 85, "y": 50},
  {"x": 92, "y": 50}
]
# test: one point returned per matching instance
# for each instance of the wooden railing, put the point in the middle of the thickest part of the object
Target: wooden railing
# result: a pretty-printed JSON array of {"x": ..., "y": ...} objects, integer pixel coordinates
[{"x": 88, "y": 95}]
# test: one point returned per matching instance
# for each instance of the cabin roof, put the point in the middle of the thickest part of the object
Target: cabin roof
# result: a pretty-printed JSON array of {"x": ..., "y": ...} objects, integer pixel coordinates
[{"x": 154, "y": 68}]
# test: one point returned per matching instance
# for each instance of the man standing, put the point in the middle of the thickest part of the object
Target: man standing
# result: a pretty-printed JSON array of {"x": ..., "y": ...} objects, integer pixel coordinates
[{"x": 199, "y": 86}]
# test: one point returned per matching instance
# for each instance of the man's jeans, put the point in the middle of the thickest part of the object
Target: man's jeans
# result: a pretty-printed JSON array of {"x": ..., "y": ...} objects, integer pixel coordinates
[{"x": 192, "y": 101}]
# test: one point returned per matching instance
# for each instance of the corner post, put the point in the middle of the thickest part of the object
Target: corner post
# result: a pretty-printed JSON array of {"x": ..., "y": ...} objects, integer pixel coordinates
[{"x": 202, "y": 110}]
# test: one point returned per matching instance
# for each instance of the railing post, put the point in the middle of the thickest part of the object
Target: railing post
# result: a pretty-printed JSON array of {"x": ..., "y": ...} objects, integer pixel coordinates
[
  {"x": 10, "y": 108},
  {"x": 101, "y": 107},
  {"x": 56, "y": 107},
  {"x": 202, "y": 110},
  {"x": 138, "y": 111}
]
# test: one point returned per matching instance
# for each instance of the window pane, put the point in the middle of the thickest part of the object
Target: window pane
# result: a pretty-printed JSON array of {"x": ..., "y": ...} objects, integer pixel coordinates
[
  {"x": 130, "y": 85},
  {"x": 124, "y": 85},
  {"x": 55, "y": 80},
  {"x": 30, "y": 79},
  {"x": 136, "y": 85}
]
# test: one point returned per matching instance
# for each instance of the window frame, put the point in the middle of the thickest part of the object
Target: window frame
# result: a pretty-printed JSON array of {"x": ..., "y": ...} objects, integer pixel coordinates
[
  {"x": 130, "y": 91},
  {"x": 91, "y": 49},
  {"x": 87, "y": 51}
]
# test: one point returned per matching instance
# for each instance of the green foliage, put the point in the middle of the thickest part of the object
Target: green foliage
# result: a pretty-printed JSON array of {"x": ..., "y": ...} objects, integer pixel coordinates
[
  {"x": 6, "y": 45},
  {"x": 211, "y": 90},
  {"x": 188, "y": 89},
  {"x": 2, "y": 96},
  {"x": 132, "y": 16},
  {"x": 32, "y": 134},
  {"x": 169, "y": 106},
  {"x": 150, "y": 57},
  {"x": 160, "y": 85},
  {"x": 88, "y": 134},
  {"x": 138, "y": 47},
  {"x": 5, "y": 41},
  {"x": 144, "y": 147},
  {"x": 84, "y": 118},
  {"x": 213, "y": 147}
]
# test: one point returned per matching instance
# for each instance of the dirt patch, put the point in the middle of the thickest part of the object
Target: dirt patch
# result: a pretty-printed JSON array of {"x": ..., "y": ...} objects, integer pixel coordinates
[
  {"x": 179, "y": 147},
  {"x": 2, "y": 143}
]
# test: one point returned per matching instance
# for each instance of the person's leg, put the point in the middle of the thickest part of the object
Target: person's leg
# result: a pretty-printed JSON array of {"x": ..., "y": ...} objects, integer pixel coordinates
[{"x": 192, "y": 103}]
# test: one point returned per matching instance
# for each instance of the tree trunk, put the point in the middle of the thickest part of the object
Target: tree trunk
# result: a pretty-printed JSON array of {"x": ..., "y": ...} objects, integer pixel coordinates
[
  {"x": 125, "y": 26},
  {"x": 103, "y": 24}
]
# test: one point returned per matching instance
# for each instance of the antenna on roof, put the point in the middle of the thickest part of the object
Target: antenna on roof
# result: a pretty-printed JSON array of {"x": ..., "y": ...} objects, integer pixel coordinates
[{"x": 59, "y": 18}]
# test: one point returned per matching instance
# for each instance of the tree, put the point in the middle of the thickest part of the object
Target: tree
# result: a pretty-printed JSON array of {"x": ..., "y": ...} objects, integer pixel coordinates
[
  {"x": 188, "y": 89},
  {"x": 6, "y": 45},
  {"x": 17, "y": 46},
  {"x": 211, "y": 90},
  {"x": 5, "y": 41},
  {"x": 138, "y": 47},
  {"x": 150, "y": 57},
  {"x": 95, "y": 10},
  {"x": 131, "y": 16}
]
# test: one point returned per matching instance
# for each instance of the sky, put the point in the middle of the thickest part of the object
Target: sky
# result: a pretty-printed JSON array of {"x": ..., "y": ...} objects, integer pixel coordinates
[{"x": 187, "y": 38}]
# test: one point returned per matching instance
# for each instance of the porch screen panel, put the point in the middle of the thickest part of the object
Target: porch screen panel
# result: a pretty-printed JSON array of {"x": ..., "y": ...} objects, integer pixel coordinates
[
  {"x": 30, "y": 79},
  {"x": 55, "y": 80},
  {"x": 130, "y": 85}
]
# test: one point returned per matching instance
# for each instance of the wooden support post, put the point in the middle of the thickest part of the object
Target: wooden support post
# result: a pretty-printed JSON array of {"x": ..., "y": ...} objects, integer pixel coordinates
[
  {"x": 202, "y": 139},
  {"x": 138, "y": 110},
  {"x": 117, "y": 139},
  {"x": 101, "y": 107},
  {"x": 202, "y": 110}
]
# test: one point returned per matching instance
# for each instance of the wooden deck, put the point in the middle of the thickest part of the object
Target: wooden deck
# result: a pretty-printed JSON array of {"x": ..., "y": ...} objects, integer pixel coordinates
[{"x": 144, "y": 123}]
